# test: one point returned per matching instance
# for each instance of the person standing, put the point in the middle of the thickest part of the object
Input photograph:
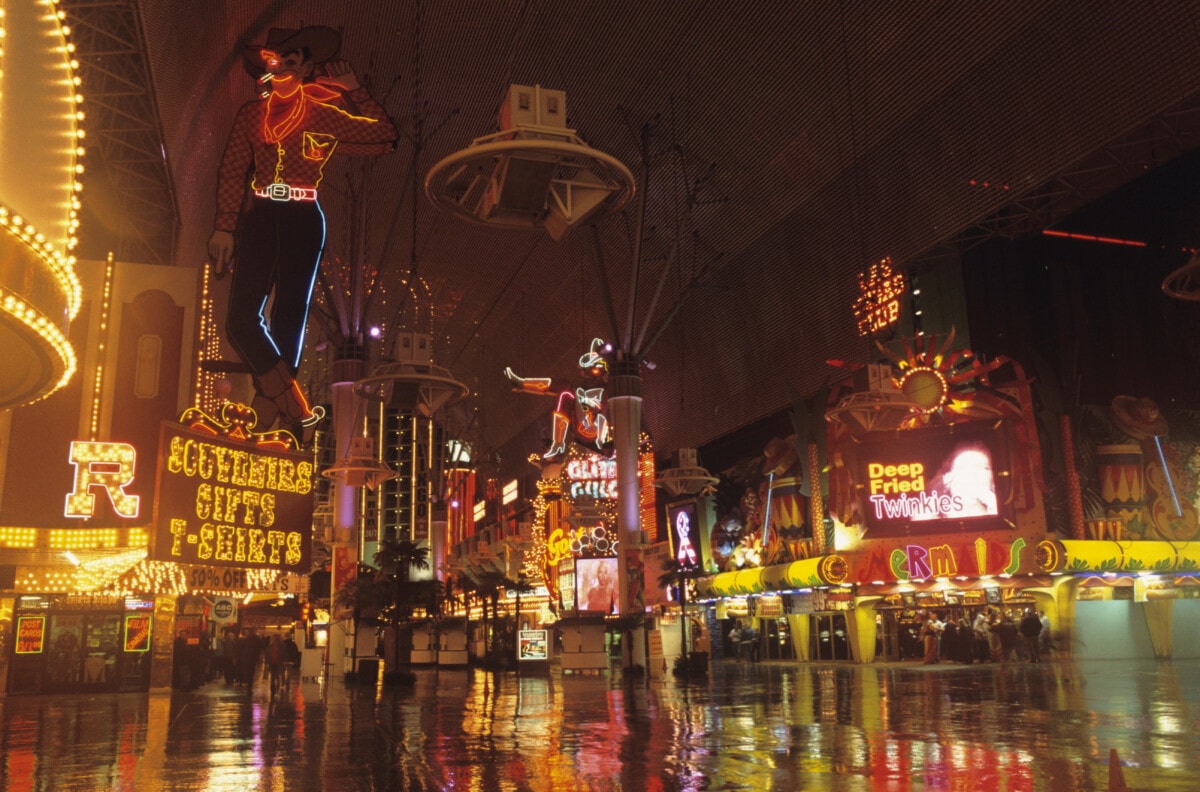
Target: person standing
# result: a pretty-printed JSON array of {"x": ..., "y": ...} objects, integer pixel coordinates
[
  {"x": 249, "y": 650},
  {"x": 275, "y": 157},
  {"x": 939, "y": 627},
  {"x": 1047, "y": 644},
  {"x": 291, "y": 657},
  {"x": 1031, "y": 630},
  {"x": 929, "y": 635},
  {"x": 750, "y": 641},
  {"x": 229, "y": 656},
  {"x": 735, "y": 639},
  {"x": 980, "y": 630},
  {"x": 273, "y": 657}
]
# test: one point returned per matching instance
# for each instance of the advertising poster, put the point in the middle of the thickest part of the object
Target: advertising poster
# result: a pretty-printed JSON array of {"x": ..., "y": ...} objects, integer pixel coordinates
[
  {"x": 533, "y": 645},
  {"x": 31, "y": 634},
  {"x": 137, "y": 632},
  {"x": 654, "y": 559},
  {"x": 596, "y": 584}
]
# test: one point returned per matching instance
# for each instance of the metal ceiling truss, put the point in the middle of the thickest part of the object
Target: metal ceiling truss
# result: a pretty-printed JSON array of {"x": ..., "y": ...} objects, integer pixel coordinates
[
  {"x": 1162, "y": 139},
  {"x": 122, "y": 122}
]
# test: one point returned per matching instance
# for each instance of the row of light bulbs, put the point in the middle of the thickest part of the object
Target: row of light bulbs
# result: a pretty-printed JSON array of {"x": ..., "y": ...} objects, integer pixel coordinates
[{"x": 59, "y": 262}]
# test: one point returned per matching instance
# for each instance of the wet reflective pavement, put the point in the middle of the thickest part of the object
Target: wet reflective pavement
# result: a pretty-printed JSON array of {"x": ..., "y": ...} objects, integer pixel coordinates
[{"x": 746, "y": 727}]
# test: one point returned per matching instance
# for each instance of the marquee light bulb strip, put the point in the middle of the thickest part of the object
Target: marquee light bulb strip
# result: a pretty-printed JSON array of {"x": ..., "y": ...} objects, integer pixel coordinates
[{"x": 35, "y": 320}]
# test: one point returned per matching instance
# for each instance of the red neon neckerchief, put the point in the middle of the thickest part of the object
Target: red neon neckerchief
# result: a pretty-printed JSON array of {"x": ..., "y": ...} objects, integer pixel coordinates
[{"x": 286, "y": 111}]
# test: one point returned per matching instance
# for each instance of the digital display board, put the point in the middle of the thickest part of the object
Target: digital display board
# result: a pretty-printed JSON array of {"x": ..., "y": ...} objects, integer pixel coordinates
[
  {"x": 684, "y": 528},
  {"x": 929, "y": 480},
  {"x": 596, "y": 584}
]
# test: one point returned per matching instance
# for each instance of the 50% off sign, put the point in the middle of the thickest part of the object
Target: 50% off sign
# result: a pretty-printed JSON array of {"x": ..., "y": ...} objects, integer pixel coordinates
[{"x": 242, "y": 580}]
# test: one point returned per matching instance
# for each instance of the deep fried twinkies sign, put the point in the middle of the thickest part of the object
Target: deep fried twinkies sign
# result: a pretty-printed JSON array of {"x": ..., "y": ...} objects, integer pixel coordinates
[{"x": 222, "y": 502}]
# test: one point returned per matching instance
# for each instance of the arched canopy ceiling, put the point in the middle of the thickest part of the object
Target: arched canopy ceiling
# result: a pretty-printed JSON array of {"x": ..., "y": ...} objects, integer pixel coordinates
[{"x": 781, "y": 146}]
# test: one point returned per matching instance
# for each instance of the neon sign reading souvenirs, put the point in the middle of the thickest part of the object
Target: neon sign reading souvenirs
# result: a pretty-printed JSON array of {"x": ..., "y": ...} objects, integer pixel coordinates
[{"x": 223, "y": 504}]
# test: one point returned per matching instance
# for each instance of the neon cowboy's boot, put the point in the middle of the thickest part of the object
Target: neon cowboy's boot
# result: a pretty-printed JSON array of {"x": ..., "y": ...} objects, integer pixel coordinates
[
  {"x": 602, "y": 434},
  {"x": 295, "y": 415},
  {"x": 266, "y": 411},
  {"x": 558, "y": 443}
]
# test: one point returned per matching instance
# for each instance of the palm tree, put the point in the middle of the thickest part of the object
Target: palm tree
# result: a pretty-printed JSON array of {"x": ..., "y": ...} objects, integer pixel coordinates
[
  {"x": 488, "y": 587},
  {"x": 521, "y": 586},
  {"x": 395, "y": 559}
]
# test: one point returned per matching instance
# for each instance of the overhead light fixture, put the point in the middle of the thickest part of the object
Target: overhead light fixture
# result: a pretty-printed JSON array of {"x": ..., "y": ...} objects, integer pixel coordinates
[
  {"x": 412, "y": 381},
  {"x": 360, "y": 468},
  {"x": 533, "y": 173},
  {"x": 687, "y": 477}
]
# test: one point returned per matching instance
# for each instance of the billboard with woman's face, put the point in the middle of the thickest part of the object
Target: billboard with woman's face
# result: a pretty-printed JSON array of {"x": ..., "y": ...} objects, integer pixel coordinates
[
  {"x": 929, "y": 480},
  {"x": 596, "y": 584}
]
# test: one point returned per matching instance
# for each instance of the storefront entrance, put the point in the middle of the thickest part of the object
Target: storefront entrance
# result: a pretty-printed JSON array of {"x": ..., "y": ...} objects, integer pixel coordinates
[
  {"x": 95, "y": 646},
  {"x": 828, "y": 637}
]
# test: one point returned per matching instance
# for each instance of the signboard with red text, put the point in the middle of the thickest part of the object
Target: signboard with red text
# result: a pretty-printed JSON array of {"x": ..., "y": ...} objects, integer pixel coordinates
[{"x": 31, "y": 634}]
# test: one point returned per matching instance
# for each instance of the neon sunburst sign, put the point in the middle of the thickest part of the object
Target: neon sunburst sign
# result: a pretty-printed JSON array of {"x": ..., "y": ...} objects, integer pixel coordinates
[{"x": 948, "y": 383}]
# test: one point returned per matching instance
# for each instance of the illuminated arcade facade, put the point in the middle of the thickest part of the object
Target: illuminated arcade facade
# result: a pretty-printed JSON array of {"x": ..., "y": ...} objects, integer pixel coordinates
[
  {"x": 103, "y": 567},
  {"x": 934, "y": 502}
]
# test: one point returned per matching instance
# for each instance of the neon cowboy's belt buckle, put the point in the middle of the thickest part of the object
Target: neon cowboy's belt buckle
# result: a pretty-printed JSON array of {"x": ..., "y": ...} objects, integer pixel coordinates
[{"x": 285, "y": 192}]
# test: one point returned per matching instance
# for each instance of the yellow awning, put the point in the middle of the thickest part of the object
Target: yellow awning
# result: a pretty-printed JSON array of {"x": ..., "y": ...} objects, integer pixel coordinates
[
  {"x": 1103, "y": 555},
  {"x": 807, "y": 573}
]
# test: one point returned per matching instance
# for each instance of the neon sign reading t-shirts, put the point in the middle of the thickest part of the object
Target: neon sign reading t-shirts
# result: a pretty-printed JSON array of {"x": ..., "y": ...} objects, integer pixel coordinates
[{"x": 931, "y": 476}]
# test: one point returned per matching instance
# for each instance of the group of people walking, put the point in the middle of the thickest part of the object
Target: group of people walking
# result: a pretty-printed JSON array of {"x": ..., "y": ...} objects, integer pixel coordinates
[
  {"x": 744, "y": 641},
  {"x": 992, "y": 636},
  {"x": 235, "y": 655}
]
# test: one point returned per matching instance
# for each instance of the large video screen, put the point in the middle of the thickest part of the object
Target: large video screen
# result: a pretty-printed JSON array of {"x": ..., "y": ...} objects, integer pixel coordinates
[
  {"x": 928, "y": 480},
  {"x": 596, "y": 584}
]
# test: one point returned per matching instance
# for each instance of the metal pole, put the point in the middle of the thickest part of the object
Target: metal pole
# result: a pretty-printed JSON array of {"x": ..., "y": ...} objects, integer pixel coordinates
[{"x": 625, "y": 409}]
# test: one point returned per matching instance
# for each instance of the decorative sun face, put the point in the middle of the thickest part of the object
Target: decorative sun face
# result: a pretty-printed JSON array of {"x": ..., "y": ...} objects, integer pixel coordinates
[
  {"x": 926, "y": 387},
  {"x": 945, "y": 384}
]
